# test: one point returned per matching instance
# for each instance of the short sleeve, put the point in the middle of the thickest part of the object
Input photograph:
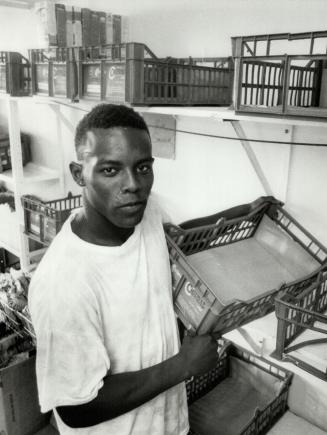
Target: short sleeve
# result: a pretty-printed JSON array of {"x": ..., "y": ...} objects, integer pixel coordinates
[
  {"x": 158, "y": 202},
  {"x": 71, "y": 357}
]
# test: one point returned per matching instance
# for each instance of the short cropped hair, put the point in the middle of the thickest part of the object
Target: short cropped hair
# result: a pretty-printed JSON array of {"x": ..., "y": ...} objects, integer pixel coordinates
[{"x": 107, "y": 116}]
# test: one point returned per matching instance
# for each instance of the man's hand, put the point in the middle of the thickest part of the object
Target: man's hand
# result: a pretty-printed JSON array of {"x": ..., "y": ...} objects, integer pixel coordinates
[{"x": 199, "y": 354}]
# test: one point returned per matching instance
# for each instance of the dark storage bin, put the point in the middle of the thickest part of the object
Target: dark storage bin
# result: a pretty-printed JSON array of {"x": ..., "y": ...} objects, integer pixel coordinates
[
  {"x": 15, "y": 74},
  {"x": 43, "y": 220},
  {"x": 132, "y": 73},
  {"x": 228, "y": 274},
  {"x": 268, "y": 81},
  {"x": 54, "y": 72},
  {"x": 245, "y": 394},
  {"x": 5, "y": 159},
  {"x": 302, "y": 322}
]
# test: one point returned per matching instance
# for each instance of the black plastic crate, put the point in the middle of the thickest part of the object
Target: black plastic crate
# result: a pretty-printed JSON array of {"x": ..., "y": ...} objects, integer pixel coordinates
[
  {"x": 54, "y": 72},
  {"x": 5, "y": 158},
  {"x": 15, "y": 74},
  {"x": 43, "y": 220},
  {"x": 131, "y": 73},
  {"x": 283, "y": 73},
  {"x": 263, "y": 373},
  {"x": 195, "y": 302},
  {"x": 297, "y": 314}
]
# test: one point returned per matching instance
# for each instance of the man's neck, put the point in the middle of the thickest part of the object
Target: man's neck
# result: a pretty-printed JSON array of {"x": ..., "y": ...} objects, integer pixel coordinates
[{"x": 94, "y": 228}]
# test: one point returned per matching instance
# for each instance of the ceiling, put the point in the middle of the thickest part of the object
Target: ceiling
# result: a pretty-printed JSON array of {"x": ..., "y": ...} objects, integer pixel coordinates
[{"x": 23, "y": 4}]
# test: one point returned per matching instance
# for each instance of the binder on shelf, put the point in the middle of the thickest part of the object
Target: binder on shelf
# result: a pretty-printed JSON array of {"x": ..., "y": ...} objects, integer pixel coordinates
[
  {"x": 86, "y": 27},
  {"x": 109, "y": 29},
  {"x": 116, "y": 29},
  {"x": 61, "y": 25},
  {"x": 95, "y": 29},
  {"x": 102, "y": 27},
  {"x": 77, "y": 27},
  {"x": 69, "y": 26}
]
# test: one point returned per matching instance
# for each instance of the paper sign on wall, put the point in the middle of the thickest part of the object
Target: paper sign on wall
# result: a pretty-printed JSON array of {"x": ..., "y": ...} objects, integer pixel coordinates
[{"x": 163, "y": 132}]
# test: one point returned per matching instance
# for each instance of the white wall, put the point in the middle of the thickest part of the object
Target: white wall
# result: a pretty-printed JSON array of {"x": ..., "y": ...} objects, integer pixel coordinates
[
  {"x": 18, "y": 29},
  {"x": 207, "y": 174}
]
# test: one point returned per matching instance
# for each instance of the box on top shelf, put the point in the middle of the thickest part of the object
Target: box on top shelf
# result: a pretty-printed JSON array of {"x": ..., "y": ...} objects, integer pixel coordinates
[
  {"x": 245, "y": 395},
  {"x": 269, "y": 81},
  {"x": 228, "y": 273},
  {"x": 72, "y": 26},
  {"x": 15, "y": 74},
  {"x": 302, "y": 328},
  {"x": 43, "y": 220},
  {"x": 45, "y": 13},
  {"x": 132, "y": 73},
  {"x": 54, "y": 72}
]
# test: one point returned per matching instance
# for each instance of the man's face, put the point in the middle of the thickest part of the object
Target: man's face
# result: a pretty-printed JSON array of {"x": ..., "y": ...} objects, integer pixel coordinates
[{"x": 117, "y": 172}]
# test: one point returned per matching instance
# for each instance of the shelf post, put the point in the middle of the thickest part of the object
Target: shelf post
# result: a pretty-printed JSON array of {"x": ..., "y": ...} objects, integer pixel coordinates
[{"x": 18, "y": 177}]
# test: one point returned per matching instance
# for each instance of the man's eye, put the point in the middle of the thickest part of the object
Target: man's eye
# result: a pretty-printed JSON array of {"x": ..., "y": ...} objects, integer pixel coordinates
[
  {"x": 109, "y": 171},
  {"x": 144, "y": 169}
]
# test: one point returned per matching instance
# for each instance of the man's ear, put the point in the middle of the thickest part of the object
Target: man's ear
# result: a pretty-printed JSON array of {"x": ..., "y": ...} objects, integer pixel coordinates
[{"x": 76, "y": 170}]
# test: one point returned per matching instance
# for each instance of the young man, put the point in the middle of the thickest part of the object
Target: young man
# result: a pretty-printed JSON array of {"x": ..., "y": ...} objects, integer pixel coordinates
[{"x": 108, "y": 354}]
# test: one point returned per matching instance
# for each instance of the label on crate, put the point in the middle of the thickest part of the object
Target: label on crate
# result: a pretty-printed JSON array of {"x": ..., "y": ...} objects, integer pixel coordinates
[
  {"x": 92, "y": 80},
  {"x": 192, "y": 305},
  {"x": 59, "y": 80},
  {"x": 3, "y": 78},
  {"x": 115, "y": 76},
  {"x": 42, "y": 76}
]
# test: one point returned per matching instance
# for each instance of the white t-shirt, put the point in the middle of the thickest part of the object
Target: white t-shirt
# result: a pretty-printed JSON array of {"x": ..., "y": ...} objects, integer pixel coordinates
[{"x": 97, "y": 307}]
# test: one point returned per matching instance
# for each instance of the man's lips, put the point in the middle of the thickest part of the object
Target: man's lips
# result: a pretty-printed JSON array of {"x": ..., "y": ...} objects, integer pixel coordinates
[{"x": 133, "y": 206}]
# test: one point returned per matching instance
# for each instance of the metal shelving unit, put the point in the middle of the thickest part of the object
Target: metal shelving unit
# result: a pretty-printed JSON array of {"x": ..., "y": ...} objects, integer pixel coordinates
[{"x": 20, "y": 179}]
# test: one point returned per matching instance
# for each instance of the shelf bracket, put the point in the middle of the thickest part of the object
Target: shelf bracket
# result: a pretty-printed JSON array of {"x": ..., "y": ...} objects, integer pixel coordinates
[
  {"x": 57, "y": 109},
  {"x": 252, "y": 157}
]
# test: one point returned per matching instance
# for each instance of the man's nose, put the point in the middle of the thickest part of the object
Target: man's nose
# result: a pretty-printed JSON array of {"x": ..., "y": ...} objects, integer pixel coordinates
[{"x": 130, "y": 182}]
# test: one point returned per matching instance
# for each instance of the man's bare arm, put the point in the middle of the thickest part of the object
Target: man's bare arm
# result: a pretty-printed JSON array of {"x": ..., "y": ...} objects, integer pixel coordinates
[{"x": 126, "y": 391}]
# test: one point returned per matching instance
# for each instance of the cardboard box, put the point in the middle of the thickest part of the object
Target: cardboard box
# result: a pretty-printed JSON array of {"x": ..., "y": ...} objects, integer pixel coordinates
[{"x": 19, "y": 406}]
